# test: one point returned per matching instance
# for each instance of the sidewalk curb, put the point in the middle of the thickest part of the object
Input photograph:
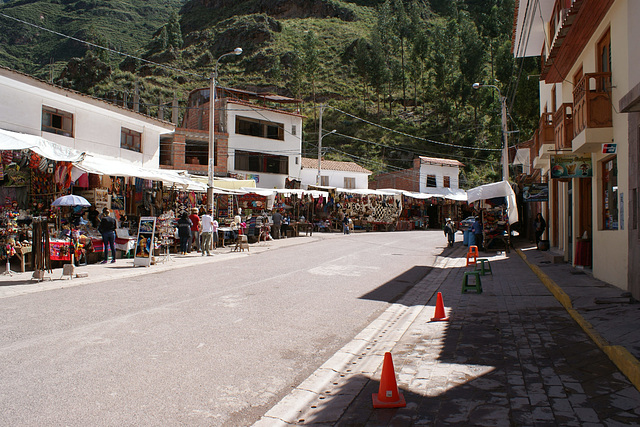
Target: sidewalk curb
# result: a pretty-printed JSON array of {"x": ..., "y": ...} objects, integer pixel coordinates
[{"x": 620, "y": 356}]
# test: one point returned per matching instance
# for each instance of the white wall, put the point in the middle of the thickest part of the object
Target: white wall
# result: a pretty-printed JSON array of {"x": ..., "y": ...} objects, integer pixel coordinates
[
  {"x": 440, "y": 171},
  {"x": 336, "y": 178},
  {"x": 291, "y": 146},
  {"x": 96, "y": 127}
]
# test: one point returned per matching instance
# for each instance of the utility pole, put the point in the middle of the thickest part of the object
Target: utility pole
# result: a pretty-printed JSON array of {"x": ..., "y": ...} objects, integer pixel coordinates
[{"x": 318, "y": 179}]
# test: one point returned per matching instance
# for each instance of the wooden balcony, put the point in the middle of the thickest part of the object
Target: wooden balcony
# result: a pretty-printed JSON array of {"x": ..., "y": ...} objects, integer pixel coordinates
[
  {"x": 592, "y": 112},
  {"x": 563, "y": 126}
]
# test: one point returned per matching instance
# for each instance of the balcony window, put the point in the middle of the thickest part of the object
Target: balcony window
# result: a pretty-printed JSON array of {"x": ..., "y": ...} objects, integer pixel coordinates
[
  {"x": 130, "y": 140},
  {"x": 166, "y": 151},
  {"x": 57, "y": 121},
  {"x": 261, "y": 162},
  {"x": 431, "y": 181},
  {"x": 196, "y": 152},
  {"x": 610, "y": 194},
  {"x": 259, "y": 128}
]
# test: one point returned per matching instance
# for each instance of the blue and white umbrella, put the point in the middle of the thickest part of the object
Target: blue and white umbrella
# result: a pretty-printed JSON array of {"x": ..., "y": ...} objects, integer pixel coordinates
[{"x": 70, "y": 200}]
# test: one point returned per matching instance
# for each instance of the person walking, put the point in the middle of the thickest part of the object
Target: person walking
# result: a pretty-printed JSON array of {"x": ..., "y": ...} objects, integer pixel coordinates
[
  {"x": 184, "y": 232},
  {"x": 107, "y": 229},
  {"x": 450, "y": 231},
  {"x": 345, "y": 224},
  {"x": 195, "y": 230},
  {"x": 540, "y": 225},
  {"x": 206, "y": 230}
]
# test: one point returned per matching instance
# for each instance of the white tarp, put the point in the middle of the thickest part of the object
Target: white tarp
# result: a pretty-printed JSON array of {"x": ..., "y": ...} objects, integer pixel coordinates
[
  {"x": 114, "y": 167},
  {"x": 491, "y": 191},
  {"x": 90, "y": 162},
  {"x": 45, "y": 148},
  {"x": 441, "y": 193},
  {"x": 316, "y": 194}
]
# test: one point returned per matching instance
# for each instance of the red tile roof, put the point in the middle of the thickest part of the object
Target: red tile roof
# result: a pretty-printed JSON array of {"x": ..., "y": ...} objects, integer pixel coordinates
[
  {"x": 444, "y": 162},
  {"x": 333, "y": 165}
]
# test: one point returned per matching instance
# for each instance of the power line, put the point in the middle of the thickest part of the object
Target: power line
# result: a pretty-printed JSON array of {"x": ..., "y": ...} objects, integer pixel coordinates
[
  {"x": 108, "y": 49},
  {"x": 413, "y": 136}
]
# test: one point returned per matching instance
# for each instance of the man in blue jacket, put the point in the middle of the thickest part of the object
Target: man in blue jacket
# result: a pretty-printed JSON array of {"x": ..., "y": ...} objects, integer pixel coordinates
[{"x": 476, "y": 229}]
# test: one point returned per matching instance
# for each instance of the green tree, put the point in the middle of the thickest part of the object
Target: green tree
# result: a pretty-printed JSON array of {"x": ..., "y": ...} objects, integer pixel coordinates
[
  {"x": 174, "y": 32},
  {"x": 311, "y": 59}
]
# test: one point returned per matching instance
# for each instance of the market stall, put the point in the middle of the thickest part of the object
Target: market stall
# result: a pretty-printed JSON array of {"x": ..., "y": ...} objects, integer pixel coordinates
[{"x": 496, "y": 204}]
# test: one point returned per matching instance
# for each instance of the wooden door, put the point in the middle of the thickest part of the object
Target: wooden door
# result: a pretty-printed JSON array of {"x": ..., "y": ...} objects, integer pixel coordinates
[{"x": 584, "y": 204}]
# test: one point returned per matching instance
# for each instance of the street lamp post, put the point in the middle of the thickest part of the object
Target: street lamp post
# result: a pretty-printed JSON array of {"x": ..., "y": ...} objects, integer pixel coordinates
[
  {"x": 212, "y": 121},
  {"x": 318, "y": 178},
  {"x": 505, "y": 147},
  {"x": 320, "y": 136}
]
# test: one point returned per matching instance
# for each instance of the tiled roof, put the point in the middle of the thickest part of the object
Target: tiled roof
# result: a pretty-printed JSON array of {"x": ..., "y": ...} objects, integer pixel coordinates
[
  {"x": 333, "y": 165},
  {"x": 435, "y": 161}
]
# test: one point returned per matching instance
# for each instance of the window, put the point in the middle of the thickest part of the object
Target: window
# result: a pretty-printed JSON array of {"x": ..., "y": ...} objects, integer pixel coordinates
[
  {"x": 196, "y": 152},
  {"x": 166, "y": 151},
  {"x": 324, "y": 180},
  {"x": 610, "y": 194},
  {"x": 431, "y": 181},
  {"x": 293, "y": 130},
  {"x": 57, "y": 121},
  {"x": 349, "y": 183},
  {"x": 261, "y": 162},
  {"x": 130, "y": 140},
  {"x": 446, "y": 182},
  {"x": 259, "y": 128}
]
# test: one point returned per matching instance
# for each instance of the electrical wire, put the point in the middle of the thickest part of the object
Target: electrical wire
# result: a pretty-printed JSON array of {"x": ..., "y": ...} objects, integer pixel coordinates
[
  {"x": 412, "y": 136},
  {"x": 108, "y": 49}
]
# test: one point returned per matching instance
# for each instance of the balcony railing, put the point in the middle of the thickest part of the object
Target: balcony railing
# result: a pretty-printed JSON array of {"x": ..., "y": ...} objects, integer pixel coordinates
[
  {"x": 563, "y": 126},
  {"x": 592, "y": 102},
  {"x": 545, "y": 127}
]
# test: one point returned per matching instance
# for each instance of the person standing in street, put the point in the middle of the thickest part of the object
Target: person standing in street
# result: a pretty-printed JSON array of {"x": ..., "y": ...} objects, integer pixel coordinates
[
  {"x": 476, "y": 230},
  {"x": 206, "y": 229},
  {"x": 195, "y": 227},
  {"x": 540, "y": 225},
  {"x": 277, "y": 223},
  {"x": 107, "y": 229},
  {"x": 184, "y": 233},
  {"x": 345, "y": 224}
]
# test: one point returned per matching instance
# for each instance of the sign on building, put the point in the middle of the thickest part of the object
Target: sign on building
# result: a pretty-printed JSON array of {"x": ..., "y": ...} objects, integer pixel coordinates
[{"x": 571, "y": 167}]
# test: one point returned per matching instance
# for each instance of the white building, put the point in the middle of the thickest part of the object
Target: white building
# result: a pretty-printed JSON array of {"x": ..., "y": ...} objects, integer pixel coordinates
[
  {"x": 333, "y": 173},
  {"x": 586, "y": 147},
  {"x": 428, "y": 175},
  {"x": 257, "y": 136},
  {"x": 78, "y": 121}
]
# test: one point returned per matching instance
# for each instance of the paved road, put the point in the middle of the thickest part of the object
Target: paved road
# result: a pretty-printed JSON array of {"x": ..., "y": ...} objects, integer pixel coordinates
[{"x": 212, "y": 344}]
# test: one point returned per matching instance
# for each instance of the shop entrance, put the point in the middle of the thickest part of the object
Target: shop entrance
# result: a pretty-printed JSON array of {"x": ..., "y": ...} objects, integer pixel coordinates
[{"x": 554, "y": 198}]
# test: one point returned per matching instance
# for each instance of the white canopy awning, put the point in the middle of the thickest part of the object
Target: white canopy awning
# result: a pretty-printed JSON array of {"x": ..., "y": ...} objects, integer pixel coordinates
[
  {"x": 365, "y": 192},
  {"x": 313, "y": 193},
  {"x": 91, "y": 163},
  {"x": 497, "y": 189},
  {"x": 45, "y": 148},
  {"x": 442, "y": 193},
  {"x": 116, "y": 167}
]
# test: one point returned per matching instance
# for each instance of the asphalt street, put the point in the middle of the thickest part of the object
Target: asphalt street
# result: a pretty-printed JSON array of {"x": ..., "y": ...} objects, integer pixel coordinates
[{"x": 200, "y": 343}]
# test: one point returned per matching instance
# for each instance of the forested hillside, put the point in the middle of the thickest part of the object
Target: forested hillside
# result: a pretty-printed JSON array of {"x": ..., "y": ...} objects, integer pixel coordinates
[{"x": 405, "y": 65}]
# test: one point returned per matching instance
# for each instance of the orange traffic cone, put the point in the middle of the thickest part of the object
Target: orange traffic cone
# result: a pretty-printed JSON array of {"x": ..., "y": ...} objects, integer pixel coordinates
[
  {"x": 439, "y": 314},
  {"x": 388, "y": 395}
]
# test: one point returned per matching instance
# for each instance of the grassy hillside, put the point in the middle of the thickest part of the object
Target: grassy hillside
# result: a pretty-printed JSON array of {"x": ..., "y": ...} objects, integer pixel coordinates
[
  {"x": 123, "y": 25},
  {"x": 406, "y": 65}
]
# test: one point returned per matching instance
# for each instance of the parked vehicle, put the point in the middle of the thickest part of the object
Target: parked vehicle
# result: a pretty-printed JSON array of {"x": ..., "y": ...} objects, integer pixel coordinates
[{"x": 466, "y": 223}]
